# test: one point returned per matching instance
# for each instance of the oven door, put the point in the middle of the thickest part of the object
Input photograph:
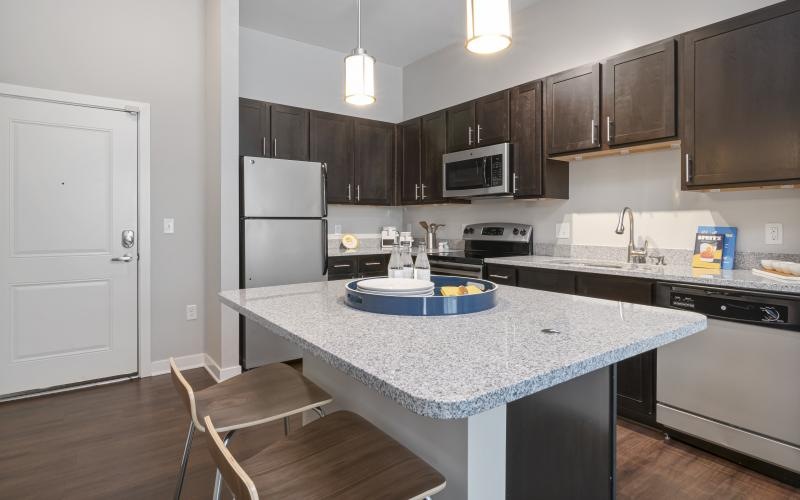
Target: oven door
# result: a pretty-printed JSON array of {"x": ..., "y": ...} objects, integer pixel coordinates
[
  {"x": 477, "y": 172},
  {"x": 449, "y": 268}
]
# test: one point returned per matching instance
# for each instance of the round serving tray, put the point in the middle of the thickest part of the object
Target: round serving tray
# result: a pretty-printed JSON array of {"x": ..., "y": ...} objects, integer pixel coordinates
[{"x": 434, "y": 305}]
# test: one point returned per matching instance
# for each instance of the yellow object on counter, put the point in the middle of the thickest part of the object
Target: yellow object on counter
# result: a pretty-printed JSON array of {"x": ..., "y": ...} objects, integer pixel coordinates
[
  {"x": 349, "y": 241},
  {"x": 455, "y": 291}
]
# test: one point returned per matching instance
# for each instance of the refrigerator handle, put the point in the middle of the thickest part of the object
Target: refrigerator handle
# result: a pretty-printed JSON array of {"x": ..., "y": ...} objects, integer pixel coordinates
[
  {"x": 324, "y": 247},
  {"x": 325, "y": 190}
]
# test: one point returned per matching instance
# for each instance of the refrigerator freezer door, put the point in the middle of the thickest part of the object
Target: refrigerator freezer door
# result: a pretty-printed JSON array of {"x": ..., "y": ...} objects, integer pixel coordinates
[{"x": 282, "y": 188}]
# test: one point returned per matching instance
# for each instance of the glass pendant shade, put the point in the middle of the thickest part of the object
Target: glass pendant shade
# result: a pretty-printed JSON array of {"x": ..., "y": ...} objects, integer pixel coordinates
[
  {"x": 488, "y": 26},
  {"x": 359, "y": 75}
]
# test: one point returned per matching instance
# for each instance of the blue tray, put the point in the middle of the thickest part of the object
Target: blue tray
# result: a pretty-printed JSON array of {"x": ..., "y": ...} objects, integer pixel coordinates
[{"x": 434, "y": 305}]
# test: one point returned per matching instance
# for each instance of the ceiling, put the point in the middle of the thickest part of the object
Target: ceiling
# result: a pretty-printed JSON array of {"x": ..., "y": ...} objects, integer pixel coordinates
[{"x": 395, "y": 32}]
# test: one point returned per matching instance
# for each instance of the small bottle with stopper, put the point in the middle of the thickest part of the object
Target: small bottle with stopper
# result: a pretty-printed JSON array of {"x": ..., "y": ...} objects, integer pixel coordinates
[{"x": 422, "y": 268}]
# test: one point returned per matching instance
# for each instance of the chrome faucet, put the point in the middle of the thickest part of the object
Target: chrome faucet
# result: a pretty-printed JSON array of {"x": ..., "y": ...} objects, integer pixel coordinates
[{"x": 635, "y": 254}]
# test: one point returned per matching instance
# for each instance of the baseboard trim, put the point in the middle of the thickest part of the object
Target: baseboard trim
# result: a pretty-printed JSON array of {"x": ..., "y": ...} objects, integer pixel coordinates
[{"x": 198, "y": 360}]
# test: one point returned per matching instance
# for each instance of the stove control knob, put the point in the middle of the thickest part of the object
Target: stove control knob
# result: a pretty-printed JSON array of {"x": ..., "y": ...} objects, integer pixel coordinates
[
  {"x": 466, "y": 230},
  {"x": 516, "y": 231},
  {"x": 523, "y": 232},
  {"x": 471, "y": 230}
]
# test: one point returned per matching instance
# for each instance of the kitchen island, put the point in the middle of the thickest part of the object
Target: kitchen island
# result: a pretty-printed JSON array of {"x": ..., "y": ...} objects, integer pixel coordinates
[{"x": 507, "y": 403}]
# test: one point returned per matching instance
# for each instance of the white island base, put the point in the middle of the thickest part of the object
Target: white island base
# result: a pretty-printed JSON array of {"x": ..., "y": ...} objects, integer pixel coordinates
[{"x": 558, "y": 443}]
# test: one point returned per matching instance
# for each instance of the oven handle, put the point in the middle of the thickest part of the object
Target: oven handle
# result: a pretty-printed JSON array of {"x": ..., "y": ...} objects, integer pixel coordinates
[
  {"x": 454, "y": 265},
  {"x": 455, "y": 272}
]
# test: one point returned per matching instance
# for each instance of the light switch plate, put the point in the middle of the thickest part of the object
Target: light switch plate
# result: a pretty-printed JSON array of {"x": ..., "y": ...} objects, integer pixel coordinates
[
  {"x": 562, "y": 230},
  {"x": 773, "y": 233},
  {"x": 169, "y": 226},
  {"x": 191, "y": 312}
]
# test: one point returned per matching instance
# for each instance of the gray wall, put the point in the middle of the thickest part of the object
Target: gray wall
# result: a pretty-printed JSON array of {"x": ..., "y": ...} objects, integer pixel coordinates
[
  {"x": 151, "y": 51},
  {"x": 554, "y": 35}
]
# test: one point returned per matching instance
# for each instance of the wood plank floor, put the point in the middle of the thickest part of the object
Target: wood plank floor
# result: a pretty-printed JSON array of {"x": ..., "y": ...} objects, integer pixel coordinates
[{"x": 124, "y": 441}]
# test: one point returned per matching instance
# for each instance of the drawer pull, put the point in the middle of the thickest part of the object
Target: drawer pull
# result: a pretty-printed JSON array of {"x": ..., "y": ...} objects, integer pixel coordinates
[
  {"x": 498, "y": 276},
  {"x": 341, "y": 265},
  {"x": 372, "y": 263}
]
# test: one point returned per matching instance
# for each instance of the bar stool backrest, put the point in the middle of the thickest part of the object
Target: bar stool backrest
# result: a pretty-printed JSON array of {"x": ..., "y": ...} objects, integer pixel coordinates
[
  {"x": 185, "y": 392},
  {"x": 235, "y": 477}
]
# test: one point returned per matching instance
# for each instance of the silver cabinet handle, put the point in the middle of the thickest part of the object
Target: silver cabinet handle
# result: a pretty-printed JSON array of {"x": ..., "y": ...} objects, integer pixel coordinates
[
  {"x": 423, "y": 191},
  {"x": 274, "y": 147},
  {"x": 593, "y": 135},
  {"x": 125, "y": 258},
  {"x": 341, "y": 265},
  {"x": 479, "y": 133},
  {"x": 358, "y": 192},
  {"x": 264, "y": 147},
  {"x": 608, "y": 129},
  {"x": 688, "y": 168},
  {"x": 514, "y": 184},
  {"x": 469, "y": 135},
  {"x": 416, "y": 192},
  {"x": 349, "y": 193},
  {"x": 498, "y": 276},
  {"x": 372, "y": 263}
]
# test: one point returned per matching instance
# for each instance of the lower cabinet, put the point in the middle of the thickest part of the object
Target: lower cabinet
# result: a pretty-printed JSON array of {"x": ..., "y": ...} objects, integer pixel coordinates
[
  {"x": 357, "y": 266},
  {"x": 636, "y": 377}
]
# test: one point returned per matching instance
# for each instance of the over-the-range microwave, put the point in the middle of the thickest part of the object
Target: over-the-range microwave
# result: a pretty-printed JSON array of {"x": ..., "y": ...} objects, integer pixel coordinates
[{"x": 477, "y": 172}]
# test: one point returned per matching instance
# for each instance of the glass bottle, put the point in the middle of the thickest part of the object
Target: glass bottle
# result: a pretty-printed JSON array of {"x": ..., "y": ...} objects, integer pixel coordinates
[
  {"x": 422, "y": 268},
  {"x": 408, "y": 262},
  {"x": 395, "y": 264}
]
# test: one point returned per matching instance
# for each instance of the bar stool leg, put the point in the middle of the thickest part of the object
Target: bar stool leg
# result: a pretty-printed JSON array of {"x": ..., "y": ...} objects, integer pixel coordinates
[
  {"x": 285, "y": 426},
  {"x": 184, "y": 461},
  {"x": 218, "y": 477}
]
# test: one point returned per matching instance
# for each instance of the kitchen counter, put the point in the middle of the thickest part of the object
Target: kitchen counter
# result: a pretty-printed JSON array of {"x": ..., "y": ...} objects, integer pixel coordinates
[
  {"x": 457, "y": 366},
  {"x": 343, "y": 252},
  {"x": 736, "y": 278}
]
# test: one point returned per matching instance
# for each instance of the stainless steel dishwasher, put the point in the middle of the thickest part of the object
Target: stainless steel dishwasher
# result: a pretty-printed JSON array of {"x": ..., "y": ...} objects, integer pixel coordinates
[{"x": 736, "y": 384}]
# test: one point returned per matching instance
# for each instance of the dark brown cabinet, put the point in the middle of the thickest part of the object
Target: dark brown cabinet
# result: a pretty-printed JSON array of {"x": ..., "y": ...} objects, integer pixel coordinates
[
  {"x": 533, "y": 174},
  {"x": 434, "y": 143},
  {"x": 640, "y": 95},
  {"x": 360, "y": 266},
  {"x": 572, "y": 110},
  {"x": 546, "y": 279},
  {"x": 331, "y": 142},
  {"x": 741, "y": 101},
  {"x": 506, "y": 275},
  {"x": 461, "y": 127},
  {"x": 374, "y": 162},
  {"x": 410, "y": 160},
  {"x": 289, "y": 127},
  {"x": 481, "y": 122},
  {"x": 253, "y": 128}
]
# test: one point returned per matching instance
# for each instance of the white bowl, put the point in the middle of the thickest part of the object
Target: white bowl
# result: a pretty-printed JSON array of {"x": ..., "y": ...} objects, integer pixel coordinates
[
  {"x": 794, "y": 268},
  {"x": 769, "y": 265},
  {"x": 782, "y": 266}
]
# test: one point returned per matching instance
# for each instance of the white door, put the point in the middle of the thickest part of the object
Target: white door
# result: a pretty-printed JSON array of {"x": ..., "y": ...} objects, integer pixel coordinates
[{"x": 68, "y": 293}]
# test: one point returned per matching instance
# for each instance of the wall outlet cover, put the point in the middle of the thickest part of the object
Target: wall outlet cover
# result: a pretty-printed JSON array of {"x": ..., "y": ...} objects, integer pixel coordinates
[
  {"x": 562, "y": 230},
  {"x": 191, "y": 312},
  {"x": 773, "y": 233},
  {"x": 169, "y": 226}
]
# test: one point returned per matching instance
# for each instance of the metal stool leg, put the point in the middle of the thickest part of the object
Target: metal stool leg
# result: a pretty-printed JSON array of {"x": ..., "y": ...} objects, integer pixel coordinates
[
  {"x": 218, "y": 477},
  {"x": 285, "y": 426},
  {"x": 184, "y": 461}
]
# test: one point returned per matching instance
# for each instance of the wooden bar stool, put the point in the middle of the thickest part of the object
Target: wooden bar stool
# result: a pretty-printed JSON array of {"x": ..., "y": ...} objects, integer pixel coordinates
[
  {"x": 339, "y": 456},
  {"x": 265, "y": 394}
]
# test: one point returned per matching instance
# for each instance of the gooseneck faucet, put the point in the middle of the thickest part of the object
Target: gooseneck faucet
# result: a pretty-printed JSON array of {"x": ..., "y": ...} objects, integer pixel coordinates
[{"x": 635, "y": 254}]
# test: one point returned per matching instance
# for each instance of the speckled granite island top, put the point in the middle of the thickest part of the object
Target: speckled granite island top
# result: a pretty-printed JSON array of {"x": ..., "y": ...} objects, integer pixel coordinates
[
  {"x": 736, "y": 278},
  {"x": 456, "y": 366}
]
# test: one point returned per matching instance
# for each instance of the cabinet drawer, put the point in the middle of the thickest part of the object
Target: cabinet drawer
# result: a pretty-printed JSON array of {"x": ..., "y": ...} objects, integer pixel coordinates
[
  {"x": 547, "y": 279},
  {"x": 505, "y": 275},
  {"x": 373, "y": 265},
  {"x": 636, "y": 291},
  {"x": 341, "y": 267}
]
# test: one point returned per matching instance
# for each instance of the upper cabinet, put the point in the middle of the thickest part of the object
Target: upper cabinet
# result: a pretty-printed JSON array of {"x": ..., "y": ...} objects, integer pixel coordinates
[
  {"x": 478, "y": 123},
  {"x": 272, "y": 130},
  {"x": 410, "y": 160},
  {"x": 374, "y": 162},
  {"x": 572, "y": 110},
  {"x": 741, "y": 101},
  {"x": 332, "y": 143},
  {"x": 640, "y": 95},
  {"x": 253, "y": 128},
  {"x": 434, "y": 143},
  {"x": 533, "y": 174}
]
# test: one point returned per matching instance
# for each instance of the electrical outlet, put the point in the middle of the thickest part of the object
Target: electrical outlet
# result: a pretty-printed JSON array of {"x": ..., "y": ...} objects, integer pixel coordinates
[
  {"x": 562, "y": 230},
  {"x": 191, "y": 312},
  {"x": 169, "y": 226},
  {"x": 773, "y": 233}
]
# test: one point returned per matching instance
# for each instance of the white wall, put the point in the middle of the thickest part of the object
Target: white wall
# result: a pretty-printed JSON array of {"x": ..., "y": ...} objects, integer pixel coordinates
[
  {"x": 555, "y": 35},
  {"x": 151, "y": 51}
]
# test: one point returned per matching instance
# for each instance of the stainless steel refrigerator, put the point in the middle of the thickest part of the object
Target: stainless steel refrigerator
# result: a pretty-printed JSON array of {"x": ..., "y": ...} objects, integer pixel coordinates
[{"x": 283, "y": 239}]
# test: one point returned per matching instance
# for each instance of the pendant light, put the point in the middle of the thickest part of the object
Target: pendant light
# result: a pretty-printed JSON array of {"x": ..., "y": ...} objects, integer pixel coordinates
[
  {"x": 488, "y": 26},
  {"x": 359, "y": 72}
]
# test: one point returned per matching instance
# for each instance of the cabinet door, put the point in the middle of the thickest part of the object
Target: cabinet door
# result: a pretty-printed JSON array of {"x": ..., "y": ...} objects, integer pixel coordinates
[
  {"x": 498, "y": 273},
  {"x": 374, "y": 149},
  {"x": 341, "y": 268},
  {"x": 373, "y": 265},
  {"x": 410, "y": 160},
  {"x": 332, "y": 143},
  {"x": 461, "y": 127},
  {"x": 572, "y": 105},
  {"x": 547, "y": 279},
  {"x": 526, "y": 139},
  {"x": 742, "y": 100},
  {"x": 253, "y": 128},
  {"x": 434, "y": 142},
  {"x": 639, "y": 90},
  {"x": 636, "y": 291},
  {"x": 289, "y": 132},
  {"x": 491, "y": 118}
]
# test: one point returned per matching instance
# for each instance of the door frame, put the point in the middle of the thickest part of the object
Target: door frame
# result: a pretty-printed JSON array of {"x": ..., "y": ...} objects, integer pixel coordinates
[{"x": 143, "y": 189}]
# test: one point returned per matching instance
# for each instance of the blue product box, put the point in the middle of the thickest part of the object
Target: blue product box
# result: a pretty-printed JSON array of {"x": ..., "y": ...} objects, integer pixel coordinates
[{"x": 728, "y": 243}]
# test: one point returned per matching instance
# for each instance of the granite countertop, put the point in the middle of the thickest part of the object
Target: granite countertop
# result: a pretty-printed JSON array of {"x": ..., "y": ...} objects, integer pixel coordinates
[
  {"x": 343, "y": 252},
  {"x": 448, "y": 367},
  {"x": 736, "y": 278}
]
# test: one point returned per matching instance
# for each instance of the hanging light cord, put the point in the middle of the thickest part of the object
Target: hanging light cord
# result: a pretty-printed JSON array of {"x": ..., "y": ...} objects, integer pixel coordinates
[{"x": 358, "y": 30}]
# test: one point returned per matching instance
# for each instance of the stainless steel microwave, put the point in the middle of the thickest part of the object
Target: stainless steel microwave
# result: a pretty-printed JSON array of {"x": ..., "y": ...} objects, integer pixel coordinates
[{"x": 477, "y": 172}]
